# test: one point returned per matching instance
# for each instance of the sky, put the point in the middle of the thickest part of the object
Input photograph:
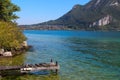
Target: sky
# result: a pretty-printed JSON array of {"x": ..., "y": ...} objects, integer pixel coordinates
[{"x": 37, "y": 11}]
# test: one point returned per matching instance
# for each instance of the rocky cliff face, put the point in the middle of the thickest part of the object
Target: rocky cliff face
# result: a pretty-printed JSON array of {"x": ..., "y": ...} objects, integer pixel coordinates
[
  {"x": 115, "y": 4},
  {"x": 103, "y": 21},
  {"x": 102, "y": 3}
]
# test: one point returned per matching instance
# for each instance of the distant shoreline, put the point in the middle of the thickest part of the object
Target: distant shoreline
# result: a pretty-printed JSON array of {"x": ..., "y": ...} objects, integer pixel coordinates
[
  {"x": 59, "y": 27},
  {"x": 71, "y": 30}
]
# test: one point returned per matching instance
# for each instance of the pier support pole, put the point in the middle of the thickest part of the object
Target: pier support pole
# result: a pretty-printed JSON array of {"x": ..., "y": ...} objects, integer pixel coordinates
[
  {"x": 56, "y": 63},
  {"x": 51, "y": 60},
  {"x": 56, "y": 71}
]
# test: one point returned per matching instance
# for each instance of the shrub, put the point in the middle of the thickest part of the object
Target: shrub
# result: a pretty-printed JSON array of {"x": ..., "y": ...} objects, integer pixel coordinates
[{"x": 11, "y": 37}]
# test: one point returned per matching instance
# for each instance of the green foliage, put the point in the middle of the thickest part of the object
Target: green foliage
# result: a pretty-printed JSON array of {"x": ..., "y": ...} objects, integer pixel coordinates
[
  {"x": 7, "y": 10},
  {"x": 11, "y": 36}
]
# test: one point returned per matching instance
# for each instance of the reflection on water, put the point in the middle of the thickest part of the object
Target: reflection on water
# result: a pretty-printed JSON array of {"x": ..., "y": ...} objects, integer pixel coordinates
[
  {"x": 32, "y": 77},
  {"x": 10, "y": 61},
  {"x": 82, "y": 55}
]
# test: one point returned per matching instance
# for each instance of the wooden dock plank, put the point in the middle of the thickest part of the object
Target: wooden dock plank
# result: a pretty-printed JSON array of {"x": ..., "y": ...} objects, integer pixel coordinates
[{"x": 30, "y": 67}]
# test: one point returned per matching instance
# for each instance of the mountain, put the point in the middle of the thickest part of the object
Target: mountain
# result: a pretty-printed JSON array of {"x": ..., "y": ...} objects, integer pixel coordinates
[{"x": 95, "y": 15}]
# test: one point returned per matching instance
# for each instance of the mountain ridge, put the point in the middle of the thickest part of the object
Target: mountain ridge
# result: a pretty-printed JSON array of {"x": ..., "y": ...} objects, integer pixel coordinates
[{"x": 95, "y": 15}]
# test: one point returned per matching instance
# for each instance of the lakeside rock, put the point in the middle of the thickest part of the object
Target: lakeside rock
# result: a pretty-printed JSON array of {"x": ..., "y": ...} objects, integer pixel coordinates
[
  {"x": 24, "y": 47},
  {"x": 24, "y": 44},
  {"x": 1, "y": 51},
  {"x": 8, "y": 54}
]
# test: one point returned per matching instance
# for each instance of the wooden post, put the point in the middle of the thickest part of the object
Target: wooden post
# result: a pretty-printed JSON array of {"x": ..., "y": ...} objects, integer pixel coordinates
[
  {"x": 56, "y": 63},
  {"x": 56, "y": 71},
  {"x": 51, "y": 60}
]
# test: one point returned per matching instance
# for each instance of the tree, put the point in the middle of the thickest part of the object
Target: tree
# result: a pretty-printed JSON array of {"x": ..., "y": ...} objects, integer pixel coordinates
[
  {"x": 7, "y": 10},
  {"x": 11, "y": 37}
]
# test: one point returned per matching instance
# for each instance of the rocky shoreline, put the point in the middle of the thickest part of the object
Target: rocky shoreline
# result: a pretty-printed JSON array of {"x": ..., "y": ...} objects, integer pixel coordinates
[{"x": 5, "y": 53}]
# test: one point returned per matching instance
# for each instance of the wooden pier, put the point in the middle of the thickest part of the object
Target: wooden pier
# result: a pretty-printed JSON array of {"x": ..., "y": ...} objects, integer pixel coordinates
[{"x": 30, "y": 67}]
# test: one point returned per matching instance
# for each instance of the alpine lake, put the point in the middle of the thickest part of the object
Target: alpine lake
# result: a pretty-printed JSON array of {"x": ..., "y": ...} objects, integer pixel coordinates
[{"x": 82, "y": 55}]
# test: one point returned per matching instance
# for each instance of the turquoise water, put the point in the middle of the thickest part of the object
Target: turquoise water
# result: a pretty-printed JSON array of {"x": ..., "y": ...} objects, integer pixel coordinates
[{"x": 82, "y": 55}]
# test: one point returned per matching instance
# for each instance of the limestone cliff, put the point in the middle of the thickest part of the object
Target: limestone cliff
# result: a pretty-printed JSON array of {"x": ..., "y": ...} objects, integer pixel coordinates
[{"x": 102, "y": 22}]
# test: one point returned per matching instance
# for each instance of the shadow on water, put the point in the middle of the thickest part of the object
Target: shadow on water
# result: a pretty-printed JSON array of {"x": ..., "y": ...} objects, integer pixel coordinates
[{"x": 42, "y": 75}]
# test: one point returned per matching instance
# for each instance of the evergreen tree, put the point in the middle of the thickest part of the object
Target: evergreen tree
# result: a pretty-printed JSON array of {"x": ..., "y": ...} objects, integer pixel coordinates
[{"x": 7, "y": 10}]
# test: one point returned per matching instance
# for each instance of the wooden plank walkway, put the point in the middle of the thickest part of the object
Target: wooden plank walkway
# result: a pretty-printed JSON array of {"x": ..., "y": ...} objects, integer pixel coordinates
[
  {"x": 2, "y": 68},
  {"x": 30, "y": 67}
]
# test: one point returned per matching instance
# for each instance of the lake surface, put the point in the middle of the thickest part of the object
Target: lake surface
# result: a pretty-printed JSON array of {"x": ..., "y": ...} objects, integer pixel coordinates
[{"x": 82, "y": 55}]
